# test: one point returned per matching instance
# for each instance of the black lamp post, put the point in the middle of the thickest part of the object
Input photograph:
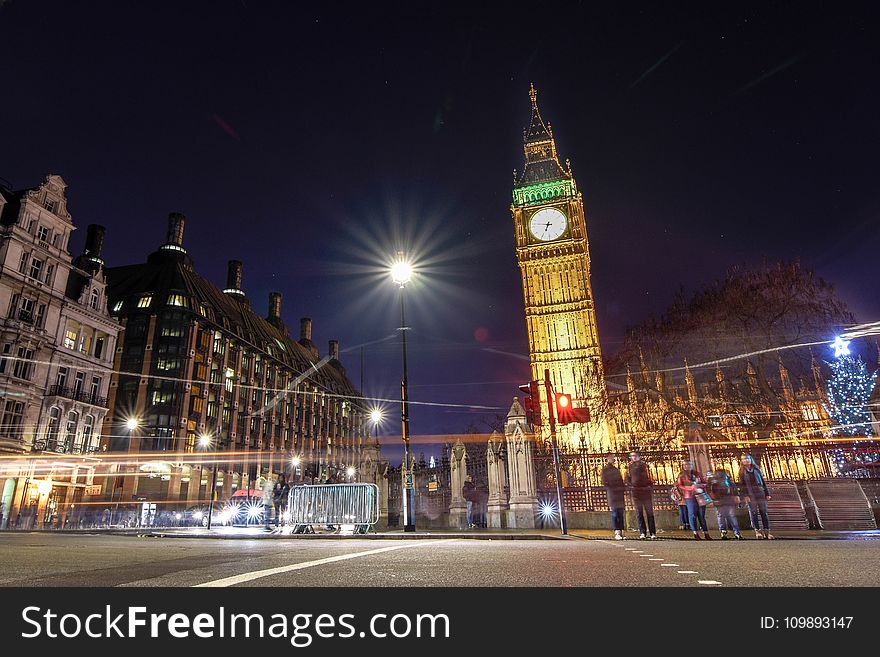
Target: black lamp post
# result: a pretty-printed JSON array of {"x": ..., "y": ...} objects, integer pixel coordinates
[
  {"x": 401, "y": 273},
  {"x": 205, "y": 442}
]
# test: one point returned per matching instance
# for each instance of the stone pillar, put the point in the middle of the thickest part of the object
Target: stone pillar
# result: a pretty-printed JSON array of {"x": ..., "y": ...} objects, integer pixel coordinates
[
  {"x": 457, "y": 473},
  {"x": 374, "y": 470},
  {"x": 520, "y": 469},
  {"x": 497, "y": 507}
]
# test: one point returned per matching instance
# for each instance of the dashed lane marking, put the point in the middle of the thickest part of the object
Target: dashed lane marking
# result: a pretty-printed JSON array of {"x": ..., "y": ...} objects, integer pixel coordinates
[
  {"x": 670, "y": 564},
  {"x": 688, "y": 572},
  {"x": 710, "y": 582}
]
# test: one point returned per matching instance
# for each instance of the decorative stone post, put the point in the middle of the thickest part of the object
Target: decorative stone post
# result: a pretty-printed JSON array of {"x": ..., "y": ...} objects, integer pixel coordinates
[
  {"x": 375, "y": 471},
  {"x": 497, "y": 506},
  {"x": 520, "y": 469},
  {"x": 457, "y": 473}
]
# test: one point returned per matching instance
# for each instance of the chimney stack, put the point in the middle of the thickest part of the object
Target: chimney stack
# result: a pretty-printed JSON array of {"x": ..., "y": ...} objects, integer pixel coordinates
[
  {"x": 233, "y": 278},
  {"x": 274, "y": 307},
  {"x": 334, "y": 349},
  {"x": 94, "y": 242},
  {"x": 305, "y": 329},
  {"x": 176, "y": 224}
]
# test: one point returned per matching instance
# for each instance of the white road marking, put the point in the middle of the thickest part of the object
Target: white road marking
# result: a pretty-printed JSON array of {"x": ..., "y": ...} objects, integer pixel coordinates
[
  {"x": 708, "y": 581},
  {"x": 669, "y": 564},
  {"x": 646, "y": 555},
  {"x": 655, "y": 559},
  {"x": 688, "y": 572},
  {"x": 257, "y": 574}
]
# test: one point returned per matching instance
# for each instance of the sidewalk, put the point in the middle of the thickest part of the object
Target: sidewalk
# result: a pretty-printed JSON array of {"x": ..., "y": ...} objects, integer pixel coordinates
[
  {"x": 251, "y": 533},
  {"x": 748, "y": 534}
]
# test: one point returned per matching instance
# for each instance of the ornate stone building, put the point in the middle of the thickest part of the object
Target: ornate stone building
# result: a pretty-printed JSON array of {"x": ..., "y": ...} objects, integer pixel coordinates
[
  {"x": 57, "y": 342},
  {"x": 553, "y": 252},
  {"x": 196, "y": 361}
]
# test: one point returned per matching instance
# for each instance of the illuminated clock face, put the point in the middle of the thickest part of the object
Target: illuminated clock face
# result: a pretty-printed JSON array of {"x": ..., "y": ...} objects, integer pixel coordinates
[{"x": 548, "y": 224}]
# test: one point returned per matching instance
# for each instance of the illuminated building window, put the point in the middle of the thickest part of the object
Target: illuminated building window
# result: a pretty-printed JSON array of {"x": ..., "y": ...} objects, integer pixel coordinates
[
  {"x": 176, "y": 300},
  {"x": 117, "y": 306},
  {"x": 144, "y": 301},
  {"x": 70, "y": 339}
]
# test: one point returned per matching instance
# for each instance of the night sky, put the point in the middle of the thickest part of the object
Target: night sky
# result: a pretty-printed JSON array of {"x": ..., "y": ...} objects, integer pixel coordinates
[{"x": 313, "y": 143}]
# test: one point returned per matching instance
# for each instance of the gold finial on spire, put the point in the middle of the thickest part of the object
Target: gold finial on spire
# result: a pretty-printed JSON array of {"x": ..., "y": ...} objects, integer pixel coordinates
[{"x": 532, "y": 93}]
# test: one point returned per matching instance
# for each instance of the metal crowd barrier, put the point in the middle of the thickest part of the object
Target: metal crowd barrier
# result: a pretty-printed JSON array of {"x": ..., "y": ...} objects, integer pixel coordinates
[{"x": 337, "y": 506}]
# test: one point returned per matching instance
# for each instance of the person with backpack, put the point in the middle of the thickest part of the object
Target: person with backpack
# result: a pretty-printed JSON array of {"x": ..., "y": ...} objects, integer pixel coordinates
[
  {"x": 639, "y": 481},
  {"x": 724, "y": 492},
  {"x": 753, "y": 490}
]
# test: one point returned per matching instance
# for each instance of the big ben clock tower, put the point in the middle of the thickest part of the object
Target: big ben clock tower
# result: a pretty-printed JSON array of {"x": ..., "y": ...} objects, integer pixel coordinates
[{"x": 554, "y": 259}]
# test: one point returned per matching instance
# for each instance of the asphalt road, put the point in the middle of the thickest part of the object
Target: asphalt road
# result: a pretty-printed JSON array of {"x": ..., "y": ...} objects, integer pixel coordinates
[{"x": 44, "y": 559}]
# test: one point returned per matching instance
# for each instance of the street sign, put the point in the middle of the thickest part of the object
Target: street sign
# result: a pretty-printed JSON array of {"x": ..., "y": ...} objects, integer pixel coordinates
[
  {"x": 408, "y": 480},
  {"x": 93, "y": 490}
]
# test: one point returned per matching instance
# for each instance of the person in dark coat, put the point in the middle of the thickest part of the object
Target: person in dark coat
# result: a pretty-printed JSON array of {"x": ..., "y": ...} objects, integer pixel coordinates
[
  {"x": 279, "y": 497},
  {"x": 615, "y": 488},
  {"x": 723, "y": 491},
  {"x": 753, "y": 490},
  {"x": 469, "y": 493},
  {"x": 639, "y": 481}
]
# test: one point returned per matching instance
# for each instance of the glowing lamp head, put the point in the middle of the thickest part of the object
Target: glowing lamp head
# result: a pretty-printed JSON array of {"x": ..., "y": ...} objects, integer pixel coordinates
[
  {"x": 44, "y": 487},
  {"x": 295, "y": 461},
  {"x": 401, "y": 270},
  {"x": 205, "y": 440},
  {"x": 376, "y": 416},
  {"x": 350, "y": 471},
  {"x": 564, "y": 401},
  {"x": 132, "y": 423}
]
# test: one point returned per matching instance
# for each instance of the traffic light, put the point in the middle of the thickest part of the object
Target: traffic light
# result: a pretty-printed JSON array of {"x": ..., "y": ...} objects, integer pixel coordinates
[
  {"x": 566, "y": 413},
  {"x": 532, "y": 403}
]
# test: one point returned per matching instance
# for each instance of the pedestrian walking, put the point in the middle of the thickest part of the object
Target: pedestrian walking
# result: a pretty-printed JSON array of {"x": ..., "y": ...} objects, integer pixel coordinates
[
  {"x": 469, "y": 493},
  {"x": 723, "y": 490},
  {"x": 639, "y": 481},
  {"x": 614, "y": 486},
  {"x": 691, "y": 485},
  {"x": 753, "y": 490},
  {"x": 280, "y": 493}
]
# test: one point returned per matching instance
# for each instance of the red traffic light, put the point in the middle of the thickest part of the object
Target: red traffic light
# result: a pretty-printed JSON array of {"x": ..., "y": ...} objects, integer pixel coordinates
[
  {"x": 566, "y": 413},
  {"x": 531, "y": 403}
]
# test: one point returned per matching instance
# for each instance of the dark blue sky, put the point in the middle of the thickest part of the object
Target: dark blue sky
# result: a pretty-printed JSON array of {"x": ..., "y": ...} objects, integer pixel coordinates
[{"x": 312, "y": 143}]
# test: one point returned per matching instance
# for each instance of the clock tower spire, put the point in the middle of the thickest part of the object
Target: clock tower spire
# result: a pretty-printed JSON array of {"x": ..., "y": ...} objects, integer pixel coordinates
[{"x": 554, "y": 259}]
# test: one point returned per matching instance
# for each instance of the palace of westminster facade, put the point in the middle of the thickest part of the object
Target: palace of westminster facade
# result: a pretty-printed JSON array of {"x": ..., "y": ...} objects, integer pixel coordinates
[{"x": 84, "y": 349}]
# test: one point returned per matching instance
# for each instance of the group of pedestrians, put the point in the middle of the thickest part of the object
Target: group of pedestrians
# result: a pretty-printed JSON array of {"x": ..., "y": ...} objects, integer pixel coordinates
[{"x": 693, "y": 492}]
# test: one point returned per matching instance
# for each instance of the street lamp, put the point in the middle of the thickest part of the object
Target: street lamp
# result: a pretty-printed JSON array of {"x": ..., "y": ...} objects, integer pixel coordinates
[
  {"x": 401, "y": 274},
  {"x": 131, "y": 424},
  {"x": 376, "y": 419},
  {"x": 205, "y": 442}
]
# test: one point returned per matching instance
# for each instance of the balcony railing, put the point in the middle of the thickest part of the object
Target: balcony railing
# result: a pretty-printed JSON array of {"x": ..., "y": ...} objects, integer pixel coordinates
[
  {"x": 61, "y": 446},
  {"x": 77, "y": 395}
]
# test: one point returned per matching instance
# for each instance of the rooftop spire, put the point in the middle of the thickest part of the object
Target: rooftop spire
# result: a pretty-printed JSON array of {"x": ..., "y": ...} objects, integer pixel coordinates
[
  {"x": 541, "y": 161},
  {"x": 537, "y": 130}
]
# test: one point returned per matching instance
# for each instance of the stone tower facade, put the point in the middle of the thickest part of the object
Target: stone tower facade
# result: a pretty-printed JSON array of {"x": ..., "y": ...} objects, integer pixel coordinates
[{"x": 554, "y": 259}]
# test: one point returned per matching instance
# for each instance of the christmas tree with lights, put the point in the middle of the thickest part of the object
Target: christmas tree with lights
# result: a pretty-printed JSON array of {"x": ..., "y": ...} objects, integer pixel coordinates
[{"x": 848, "y": 393}]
